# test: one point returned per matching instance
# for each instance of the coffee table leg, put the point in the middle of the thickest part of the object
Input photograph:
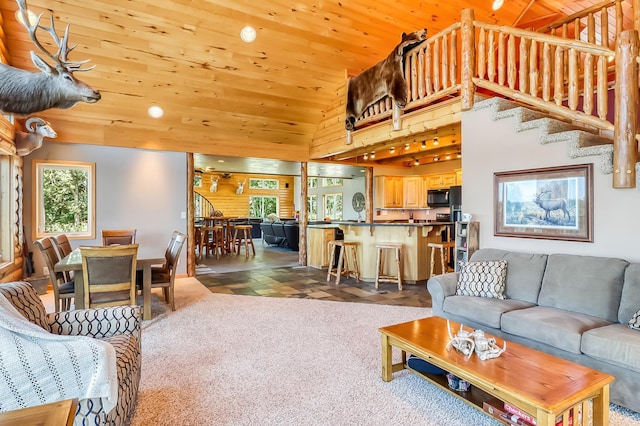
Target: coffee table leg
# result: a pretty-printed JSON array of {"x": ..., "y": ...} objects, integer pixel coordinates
[
  {"x": 387, "y": 368},
  {"x": 601, "y": 407}
]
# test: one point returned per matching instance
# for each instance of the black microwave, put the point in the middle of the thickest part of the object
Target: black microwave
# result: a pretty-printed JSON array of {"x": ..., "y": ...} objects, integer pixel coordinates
[{"x": 438, "y": 198}]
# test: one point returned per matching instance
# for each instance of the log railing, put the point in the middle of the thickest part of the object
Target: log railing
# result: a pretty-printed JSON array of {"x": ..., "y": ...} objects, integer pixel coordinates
[{"x": 566, "y": 77}]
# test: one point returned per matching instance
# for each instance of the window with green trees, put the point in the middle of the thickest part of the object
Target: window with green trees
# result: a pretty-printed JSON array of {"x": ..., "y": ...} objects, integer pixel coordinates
[
  {"x": 262, "y": 206},
  {"x": 333, "y": 206},
  {"x": 65, "y": 199}
]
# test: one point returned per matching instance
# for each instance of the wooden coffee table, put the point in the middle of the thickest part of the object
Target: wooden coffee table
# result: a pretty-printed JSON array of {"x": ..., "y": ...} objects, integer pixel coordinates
[{"x": 537, "y": 383}]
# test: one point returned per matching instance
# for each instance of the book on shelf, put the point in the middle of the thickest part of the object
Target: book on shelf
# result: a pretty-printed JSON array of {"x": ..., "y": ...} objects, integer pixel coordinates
[
  {"x": 513, "y": 416},
  {"x": 495, "y": 408}
]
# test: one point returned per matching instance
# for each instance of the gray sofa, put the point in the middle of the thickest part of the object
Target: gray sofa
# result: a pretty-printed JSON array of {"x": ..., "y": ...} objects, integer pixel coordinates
[{"x": 574, "y": 307}]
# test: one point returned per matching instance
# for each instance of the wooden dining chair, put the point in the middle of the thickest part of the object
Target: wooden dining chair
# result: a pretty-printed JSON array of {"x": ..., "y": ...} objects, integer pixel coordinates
[
  {"x": 165, "y": 275},
  {"x": 109, "y": 275},
  {"x": 63, "y": 287},
  {"x": 64, "y": 248},
  {"x": 112, "y": 237}
]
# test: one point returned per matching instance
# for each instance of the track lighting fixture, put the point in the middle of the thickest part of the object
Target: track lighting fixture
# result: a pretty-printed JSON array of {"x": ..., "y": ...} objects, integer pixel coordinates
[
  {"x": 365, "y": 156},
  {"x": 392, "y": 149},
  {"x": 424, "y": 144},
  {"x": 435, "y": 141},
  {"x": 436, "y": 158},
  {"x": 406, "y": 146},
  {"x": 416, "y": 162},
  {"x": 372, "y": 155}
]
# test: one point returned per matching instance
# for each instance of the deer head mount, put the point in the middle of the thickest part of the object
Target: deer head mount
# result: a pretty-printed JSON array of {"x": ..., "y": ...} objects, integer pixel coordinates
[
  {"x": 240, "y": 188},
  {"x": 29, "y": 141},
  {"x": 214, "y": 184},
  {"x": 23, "y": 92}
]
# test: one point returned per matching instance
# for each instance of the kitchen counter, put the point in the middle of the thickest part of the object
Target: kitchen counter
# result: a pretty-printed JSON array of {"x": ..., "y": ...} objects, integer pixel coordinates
[{"x": 415, "y": 237}]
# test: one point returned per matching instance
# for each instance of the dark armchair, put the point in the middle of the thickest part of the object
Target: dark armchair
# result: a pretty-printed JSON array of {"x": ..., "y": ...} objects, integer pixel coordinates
[
  {"x": 292, "y": 232},
  {"x": 268, "y": 235}
]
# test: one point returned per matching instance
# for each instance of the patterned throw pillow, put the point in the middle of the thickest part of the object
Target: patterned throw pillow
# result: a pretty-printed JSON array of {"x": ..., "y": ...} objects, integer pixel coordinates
[
  {"x": 634, "y": 322},
  {"x": 482, "y": 279}
]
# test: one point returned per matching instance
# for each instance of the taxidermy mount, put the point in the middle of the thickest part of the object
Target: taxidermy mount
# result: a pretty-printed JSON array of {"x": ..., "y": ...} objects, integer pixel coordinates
[
  {"x": 384, "y": 78},
  {"x": 23, "y": 92}
]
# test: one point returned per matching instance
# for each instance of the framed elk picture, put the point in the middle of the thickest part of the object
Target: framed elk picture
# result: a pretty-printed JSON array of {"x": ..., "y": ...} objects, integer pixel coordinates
[{"x": 553, "y": 203}]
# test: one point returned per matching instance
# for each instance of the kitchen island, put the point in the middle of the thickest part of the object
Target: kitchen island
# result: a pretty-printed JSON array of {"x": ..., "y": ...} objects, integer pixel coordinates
[{"x": 413, "y": 236}]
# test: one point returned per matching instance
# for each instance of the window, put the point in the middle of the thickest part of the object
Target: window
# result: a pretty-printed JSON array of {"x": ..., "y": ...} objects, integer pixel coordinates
[
  {"x": 331, "y": 182},
  {"x": 312, "y": 207},
  {"x": 312, "y": 183},
  {"x": 263, "y": 183},
  {"x": 262, "y": 206},
  {"x": 6, "y": 202},
  {"x": 64, "y": 198},
  {"x": 333, "y": 206}
]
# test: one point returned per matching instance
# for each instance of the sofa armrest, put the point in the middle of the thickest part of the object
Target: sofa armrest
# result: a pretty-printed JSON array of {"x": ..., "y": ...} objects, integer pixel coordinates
[
  {"x": 100, "y": 322},
  {"x": 440, "y": 287}
]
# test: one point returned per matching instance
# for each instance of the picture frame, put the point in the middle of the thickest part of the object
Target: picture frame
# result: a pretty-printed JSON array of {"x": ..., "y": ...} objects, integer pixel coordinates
[
  {"x": 554, "y": 203},
  {"x": 197, "y": 181}
]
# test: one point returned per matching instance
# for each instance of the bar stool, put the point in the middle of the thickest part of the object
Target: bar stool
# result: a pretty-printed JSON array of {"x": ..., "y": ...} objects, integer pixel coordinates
[
  {"x": 216, "y": 241},
  {"x": 444, "y": 254},
  {"x": 242, "y": 234},
  {"x": 380, "y": 247},
  {"x": 347, "y": 260}
]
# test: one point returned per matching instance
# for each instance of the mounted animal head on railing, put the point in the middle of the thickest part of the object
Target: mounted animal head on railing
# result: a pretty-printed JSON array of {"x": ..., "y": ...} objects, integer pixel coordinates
[
  {"x": 23, "y": 92},
  {"x": 29, "y": 141},
  {"x": 240, "y": 188},
  {"x": 214, "y": 184}
]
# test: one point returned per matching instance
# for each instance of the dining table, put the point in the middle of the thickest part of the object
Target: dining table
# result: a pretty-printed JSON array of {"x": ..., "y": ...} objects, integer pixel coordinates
[{"x": 73, "y": 262}]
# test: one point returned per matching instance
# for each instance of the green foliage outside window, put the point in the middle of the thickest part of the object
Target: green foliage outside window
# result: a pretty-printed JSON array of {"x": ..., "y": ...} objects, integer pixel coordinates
[
  {"x": 65, "y": 199},
  {"x": 333, "y": 206},
  {"x": 262, "y": 206}
]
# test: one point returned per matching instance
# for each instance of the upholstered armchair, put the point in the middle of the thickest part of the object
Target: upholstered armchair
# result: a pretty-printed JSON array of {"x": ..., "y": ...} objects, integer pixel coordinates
[{"x": 118, "y": 326}]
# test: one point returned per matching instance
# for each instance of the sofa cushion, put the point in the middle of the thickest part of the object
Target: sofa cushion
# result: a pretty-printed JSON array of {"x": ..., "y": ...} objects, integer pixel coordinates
[
  {"x": 524, "y": 273},
  {"x": 554, "y": 327},
  {"x": 630, "y": 300},
  {"x": 615, "y": 343},
  {"x": 634, "y": 322},
  {"x": 482, "y": 279},
  {"x": 585, "y": 284},
  {"x": 483, "y": 310}
]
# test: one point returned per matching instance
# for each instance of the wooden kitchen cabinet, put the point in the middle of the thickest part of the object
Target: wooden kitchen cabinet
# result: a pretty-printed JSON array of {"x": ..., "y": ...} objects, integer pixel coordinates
[
  {"x": 442, "y": 181},
  {"x": 389, "y": 192},
  {"x": 458, "y": 176},
  {"x": 413, "y": 192}
]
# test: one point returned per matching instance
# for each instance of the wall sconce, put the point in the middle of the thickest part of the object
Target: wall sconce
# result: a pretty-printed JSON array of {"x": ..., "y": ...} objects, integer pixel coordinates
[
  {"x": 392, "y": 150},
  {"x": 372, "y": 155}
]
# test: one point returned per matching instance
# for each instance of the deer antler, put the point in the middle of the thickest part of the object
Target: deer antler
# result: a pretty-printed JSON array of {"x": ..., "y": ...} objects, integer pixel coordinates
[{"x": 60, "y": 57}]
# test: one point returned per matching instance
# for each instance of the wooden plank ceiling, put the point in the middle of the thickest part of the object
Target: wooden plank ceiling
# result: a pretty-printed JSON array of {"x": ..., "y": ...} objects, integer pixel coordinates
[{"x": 221, "y": 95}]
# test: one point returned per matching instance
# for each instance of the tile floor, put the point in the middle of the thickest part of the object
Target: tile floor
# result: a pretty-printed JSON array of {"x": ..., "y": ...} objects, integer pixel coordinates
[{"x": 275, "y": 272}]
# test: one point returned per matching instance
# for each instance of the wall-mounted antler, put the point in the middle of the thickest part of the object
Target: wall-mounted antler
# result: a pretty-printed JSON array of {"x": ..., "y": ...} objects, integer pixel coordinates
[
  {"x": 55, "y": 87},
  {"x": 214, "y": 184},
  {"x": 240, "y": 188}
]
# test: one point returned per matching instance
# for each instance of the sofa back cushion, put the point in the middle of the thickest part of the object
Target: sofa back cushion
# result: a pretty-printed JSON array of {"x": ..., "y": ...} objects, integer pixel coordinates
[
  {"x": 585, "y": 284},
  {"x": 524, "y": 272},
  {"x": 630, "y": 300}
]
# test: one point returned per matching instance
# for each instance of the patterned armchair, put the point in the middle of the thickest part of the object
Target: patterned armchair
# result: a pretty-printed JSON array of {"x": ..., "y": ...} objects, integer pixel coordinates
[{"x": 119, "y": 326}]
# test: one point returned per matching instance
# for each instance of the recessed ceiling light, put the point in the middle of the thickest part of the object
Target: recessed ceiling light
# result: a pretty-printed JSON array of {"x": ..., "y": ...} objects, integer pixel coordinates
[
  {"x": 497, "y": 4},
  {"x": 220, "y": 161},
  {"x": 155, "y": 111},
  {"x": 248, "y": 34}
]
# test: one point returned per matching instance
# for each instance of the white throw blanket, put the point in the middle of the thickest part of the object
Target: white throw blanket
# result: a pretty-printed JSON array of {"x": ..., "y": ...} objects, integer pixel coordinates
[{"x": 37, "y": 367}]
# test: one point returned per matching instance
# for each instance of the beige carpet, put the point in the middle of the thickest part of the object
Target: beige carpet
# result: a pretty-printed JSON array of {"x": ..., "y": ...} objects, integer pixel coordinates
[{"x": 246, "y": 360}]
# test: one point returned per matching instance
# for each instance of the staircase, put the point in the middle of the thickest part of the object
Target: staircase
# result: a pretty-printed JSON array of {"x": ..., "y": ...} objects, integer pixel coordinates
[{"x": 581, "y": 142}]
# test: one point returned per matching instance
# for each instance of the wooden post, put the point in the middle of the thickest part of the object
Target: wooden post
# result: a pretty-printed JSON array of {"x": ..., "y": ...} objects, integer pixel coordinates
[
  {"x": 625, "y": 147},
  {"x": 468, "y": 59},
  {"x": 191, "y": 244},
  {"x": 368, "y": 185},
  {"x": 303, "y": 218}
]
